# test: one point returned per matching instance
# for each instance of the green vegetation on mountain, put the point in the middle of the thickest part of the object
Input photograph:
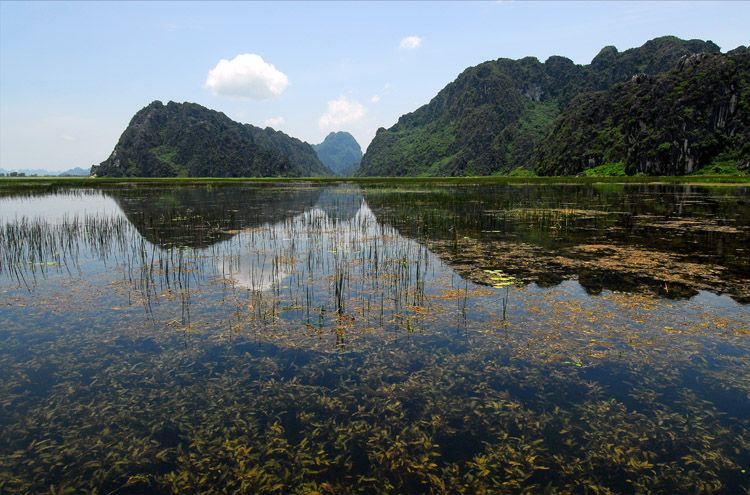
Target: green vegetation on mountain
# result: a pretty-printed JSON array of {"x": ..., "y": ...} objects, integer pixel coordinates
[
  {"x": 505, "y": 117},
  {"x": 340, "y": 152},
  {"x": 188, "y": 140},
  {"x": 697, "y": 115}
]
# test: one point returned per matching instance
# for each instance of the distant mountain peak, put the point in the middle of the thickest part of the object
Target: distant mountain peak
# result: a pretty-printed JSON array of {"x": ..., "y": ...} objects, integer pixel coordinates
[{"x": 340, "y": 152}]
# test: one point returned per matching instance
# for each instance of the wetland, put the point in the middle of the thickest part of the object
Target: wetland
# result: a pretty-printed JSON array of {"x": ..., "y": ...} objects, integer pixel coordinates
[{"x": 374, "y": 337}]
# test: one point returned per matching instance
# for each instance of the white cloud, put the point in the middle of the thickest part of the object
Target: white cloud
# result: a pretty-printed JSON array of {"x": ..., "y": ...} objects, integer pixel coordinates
[
  {"x": 410, "y": 43},
  {"x": 68, "y": 137},
  {"x": 247, "y": 77},
  {"x": 385, "y": 92},
  {"x": 275, "y": 121},
  {"x": 340, "y": 112}
]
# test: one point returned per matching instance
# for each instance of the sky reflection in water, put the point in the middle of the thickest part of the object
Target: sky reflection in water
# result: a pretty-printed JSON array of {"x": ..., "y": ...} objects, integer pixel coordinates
[{"x": 259, "y": 338}]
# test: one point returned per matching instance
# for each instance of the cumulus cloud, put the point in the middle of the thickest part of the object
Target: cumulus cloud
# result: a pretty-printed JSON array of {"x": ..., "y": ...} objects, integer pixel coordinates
[
  {"x": 275, "y": 121},
  {"x": 375, "y": 98},
  {"x": 246, "y": 77},
  {"x": 341, "y": 111},
  {"x": 410, "y": 43}
]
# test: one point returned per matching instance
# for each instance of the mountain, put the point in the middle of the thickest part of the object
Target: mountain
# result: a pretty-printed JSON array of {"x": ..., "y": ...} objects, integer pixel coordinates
[
  {"x": 340, "y": 152},
  {"x": 74, "y": 172},
  {"x": 189, "y": 140},
  {"x": 494, "y": 116},
  {"x": 697, "y": 114},
  {"x": 47, "y": 173}
]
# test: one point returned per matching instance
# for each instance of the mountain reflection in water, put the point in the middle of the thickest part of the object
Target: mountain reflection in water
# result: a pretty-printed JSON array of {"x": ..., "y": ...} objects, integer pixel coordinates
[
  {"x": 277, "y": 251},
  {"x": 414, "y": 338}
]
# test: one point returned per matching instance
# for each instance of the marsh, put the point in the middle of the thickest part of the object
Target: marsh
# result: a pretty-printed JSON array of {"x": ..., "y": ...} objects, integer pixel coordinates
[{"x": 261, "y": 337}]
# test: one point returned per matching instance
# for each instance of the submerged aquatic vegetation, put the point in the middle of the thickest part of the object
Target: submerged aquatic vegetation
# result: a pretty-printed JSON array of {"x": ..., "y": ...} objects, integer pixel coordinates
[{"x": 327, "y": 352}]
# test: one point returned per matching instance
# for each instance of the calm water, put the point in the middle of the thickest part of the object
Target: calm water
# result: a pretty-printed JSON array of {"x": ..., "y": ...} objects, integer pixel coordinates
[{"x": 294, "y": 338}]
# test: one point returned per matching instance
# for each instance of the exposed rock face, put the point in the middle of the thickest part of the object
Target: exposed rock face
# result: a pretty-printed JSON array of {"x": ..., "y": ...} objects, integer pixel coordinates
[
  {"x": 340, "y": 152},
  {"x": 669, "y": 124},
  {"x": 188, "y": 140},
  {"x": 494, "y": 116}
]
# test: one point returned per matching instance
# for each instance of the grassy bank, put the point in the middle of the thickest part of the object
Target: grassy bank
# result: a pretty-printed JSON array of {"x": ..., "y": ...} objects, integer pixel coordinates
[
  {"x": 42, "y": 185},
  {"x": 640, "y": 179}
]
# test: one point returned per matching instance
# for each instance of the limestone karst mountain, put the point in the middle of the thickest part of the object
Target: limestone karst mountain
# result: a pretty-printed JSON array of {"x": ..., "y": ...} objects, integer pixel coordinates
[
  {"x": 189, "y": 140},
  {"x": 513, "y": 116}
]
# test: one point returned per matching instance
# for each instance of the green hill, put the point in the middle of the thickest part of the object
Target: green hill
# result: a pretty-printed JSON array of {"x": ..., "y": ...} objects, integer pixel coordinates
[
  {"x": 494, "y": 117},
  {"x": 695, "y": 116},
  {"x": 340, "y": 152},
  {"x": 189, "y": 140}
]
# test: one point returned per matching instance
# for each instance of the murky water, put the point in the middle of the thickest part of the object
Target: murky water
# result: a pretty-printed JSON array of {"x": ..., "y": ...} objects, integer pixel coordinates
[{"x": 297, "y": 338}]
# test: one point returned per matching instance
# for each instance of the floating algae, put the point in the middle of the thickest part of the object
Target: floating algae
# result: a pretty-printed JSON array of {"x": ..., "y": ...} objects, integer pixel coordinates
[{"x": 331, "y": 350}]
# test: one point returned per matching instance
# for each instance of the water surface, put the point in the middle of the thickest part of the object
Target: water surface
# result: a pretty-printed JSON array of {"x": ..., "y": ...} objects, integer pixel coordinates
[{"x": 298, "y": 338}]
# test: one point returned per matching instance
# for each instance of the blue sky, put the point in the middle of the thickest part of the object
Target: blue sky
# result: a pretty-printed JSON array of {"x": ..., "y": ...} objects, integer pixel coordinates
[{"x": 72, "y": 74}]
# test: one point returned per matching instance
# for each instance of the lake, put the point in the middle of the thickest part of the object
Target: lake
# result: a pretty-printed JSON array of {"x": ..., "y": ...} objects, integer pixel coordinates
[{"x": 394, "y": 337}]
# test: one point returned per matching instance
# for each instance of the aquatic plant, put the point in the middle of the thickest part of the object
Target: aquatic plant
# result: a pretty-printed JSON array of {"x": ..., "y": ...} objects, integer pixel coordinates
[{"x": 330, "y": 352}]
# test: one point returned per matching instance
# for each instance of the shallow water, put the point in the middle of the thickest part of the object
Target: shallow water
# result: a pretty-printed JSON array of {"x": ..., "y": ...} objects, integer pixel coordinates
[{"x": 283, "y": 338}]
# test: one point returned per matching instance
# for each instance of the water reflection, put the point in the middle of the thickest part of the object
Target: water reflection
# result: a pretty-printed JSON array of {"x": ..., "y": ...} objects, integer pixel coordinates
[
  {"x": 55, "y": 208},
  {"x": 198, "y": 217},
  {"x": 670, "y": 241},
  {"x": 331, "y": 267},
  {"x": 276, "y": 251},
  {"x": 264, "y": 339}
]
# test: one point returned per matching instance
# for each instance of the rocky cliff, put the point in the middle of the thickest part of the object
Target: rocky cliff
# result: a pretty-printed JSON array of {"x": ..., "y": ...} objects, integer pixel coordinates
[
  {"x": 695, "y": 115},
  {"x": 493, "y": 117},
  {"x": 189, "y": 140}
]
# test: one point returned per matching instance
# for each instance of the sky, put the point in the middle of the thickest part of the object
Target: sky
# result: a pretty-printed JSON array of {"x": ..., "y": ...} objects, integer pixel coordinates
[{"x": 73, "y": 74}]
